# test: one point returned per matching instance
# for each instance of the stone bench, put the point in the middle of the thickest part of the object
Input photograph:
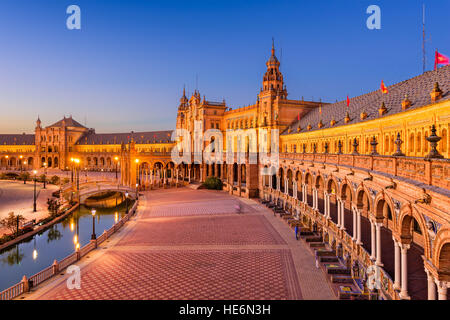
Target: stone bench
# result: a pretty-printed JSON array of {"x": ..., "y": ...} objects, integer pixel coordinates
[{"x": 335, "y": 278}]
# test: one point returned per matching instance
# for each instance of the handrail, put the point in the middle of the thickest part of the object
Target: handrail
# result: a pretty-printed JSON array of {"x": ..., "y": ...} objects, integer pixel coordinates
[{"x": 56, "y": 267}]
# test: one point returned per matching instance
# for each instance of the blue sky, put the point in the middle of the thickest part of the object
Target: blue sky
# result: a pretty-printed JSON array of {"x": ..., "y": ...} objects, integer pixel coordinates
[{"x": 126, "y": 68}]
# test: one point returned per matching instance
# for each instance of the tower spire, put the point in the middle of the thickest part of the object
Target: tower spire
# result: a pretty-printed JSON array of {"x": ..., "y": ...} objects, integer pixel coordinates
[{"x": 273, "y": 46}]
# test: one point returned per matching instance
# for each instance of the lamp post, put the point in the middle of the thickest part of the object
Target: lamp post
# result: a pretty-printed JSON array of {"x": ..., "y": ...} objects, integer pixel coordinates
[
  {"x": 93, "y": 237},
  {"x": 21, "y": 157},
  {"x": 7, "y": 162},
  {"x": 138, "y": 178},
  {"x": 137, "y": 191},
  {"x": 45, "y": 172},
  {"x": 34, "y": 202},
  {"x": 71, "y": 169},
  {"x": 24, "y": 178},
  {"x": 116, "y": 159},
  {"x": 126, "y": 201}
]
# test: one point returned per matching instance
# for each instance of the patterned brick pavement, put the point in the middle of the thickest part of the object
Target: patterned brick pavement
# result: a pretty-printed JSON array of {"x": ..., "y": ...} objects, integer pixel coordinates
[{"x": 164, "y": 254}]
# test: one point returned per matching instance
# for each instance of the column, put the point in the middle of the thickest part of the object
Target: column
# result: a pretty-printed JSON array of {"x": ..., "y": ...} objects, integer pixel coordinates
[
  {"x": 294, "y": 189},
  {"x": 372, "y": 238},
  {"x": 325, "y": 204},
  {"x": 354, "y": 224},
  {"x": 358, "y": 224},
  {"x": 286, "y": 186},
  {"x": 328, "y": 206},
  {"x": 338, "y": 212},
  {"x": 189, "y": 173},
  {"x": 404, "y": 292},
  {"x": 378, "y": 236},
  {"x": 442, "y": 290},
  {"x": 278, "y": 183},
  {"x": 342, "y": 215},
  {"x": 431, "y": 286},
  {"x": 397, "y": 285}
]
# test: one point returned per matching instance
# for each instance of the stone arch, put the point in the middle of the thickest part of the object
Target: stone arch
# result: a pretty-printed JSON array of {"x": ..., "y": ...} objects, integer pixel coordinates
[
  {"x": 298, "y": 177},
  {"x": 363, "y": 199},
  {"x": 281, "y": 175},
  {"x": 332, "y": 186},
  {"x": 381, "y": 211},
  {"x": 406, "y": 218},
  {"x": 243, "y": 173},
  {"x": 320, "y": 183},
  {"x": 346, "y": 191},
  {"x": 441, "y": 252},
  {"x": 290, "y": 179}
]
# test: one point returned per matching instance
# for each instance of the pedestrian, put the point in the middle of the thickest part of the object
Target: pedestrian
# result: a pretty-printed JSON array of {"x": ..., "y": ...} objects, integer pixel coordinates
[{"x": 296, "y": 232}]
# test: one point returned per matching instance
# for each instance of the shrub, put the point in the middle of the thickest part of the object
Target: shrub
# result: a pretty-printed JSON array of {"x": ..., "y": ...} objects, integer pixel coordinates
[
  {"x": 54, "y": 180},
  {"x": 213, "y": 183}
]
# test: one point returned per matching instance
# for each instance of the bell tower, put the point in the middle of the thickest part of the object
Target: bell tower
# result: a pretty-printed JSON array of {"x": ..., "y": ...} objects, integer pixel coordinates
[
  {"x": 182, "y": 111},
  {"x": 273, "y": 79}
]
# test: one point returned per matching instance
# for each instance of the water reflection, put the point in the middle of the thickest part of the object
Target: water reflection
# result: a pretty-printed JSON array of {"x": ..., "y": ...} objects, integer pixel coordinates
[{"x": 37, "y": 253}]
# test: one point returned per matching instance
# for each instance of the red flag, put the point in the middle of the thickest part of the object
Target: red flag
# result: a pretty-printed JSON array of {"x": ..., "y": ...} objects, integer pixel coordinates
[
  {"x": 298, "y": 116},
  {"x": 440, "y": 59},
  {"x": 383, "y": 87},
  {"x": 320, "y": 109},
  {"x": 348, "y": 102}
]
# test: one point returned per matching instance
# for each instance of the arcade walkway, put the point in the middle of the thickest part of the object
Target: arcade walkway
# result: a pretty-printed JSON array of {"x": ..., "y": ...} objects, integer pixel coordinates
[{"x": 191, "y": 244}]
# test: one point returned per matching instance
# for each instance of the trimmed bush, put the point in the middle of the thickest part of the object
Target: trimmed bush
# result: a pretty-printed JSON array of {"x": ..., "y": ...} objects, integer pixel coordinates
[
  {"x": 213, "y": 183},
  {"x": 54, "y": 180}
]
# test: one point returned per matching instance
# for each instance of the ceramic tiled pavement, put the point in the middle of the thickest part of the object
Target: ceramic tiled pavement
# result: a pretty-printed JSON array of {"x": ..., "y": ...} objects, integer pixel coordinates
[{"x": 214, "y": 254}]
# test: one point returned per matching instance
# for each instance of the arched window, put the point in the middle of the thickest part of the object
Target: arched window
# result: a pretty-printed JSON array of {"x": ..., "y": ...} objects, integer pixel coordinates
[
  {"x": 419, "y": 142},
  {"x": 411, "y": 142},
  {"x": 444, "y": 141}
]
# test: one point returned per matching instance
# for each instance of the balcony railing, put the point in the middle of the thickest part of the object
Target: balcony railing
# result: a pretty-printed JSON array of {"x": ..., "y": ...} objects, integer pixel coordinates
[{"x": 434, "y": 172}]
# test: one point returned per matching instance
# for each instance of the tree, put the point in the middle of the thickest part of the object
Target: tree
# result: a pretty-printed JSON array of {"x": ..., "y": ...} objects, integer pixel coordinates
[
  {"x": 11, "y": 221},
  {"x": 53, "y": 206},
  {"x": 25, "y": 176}
]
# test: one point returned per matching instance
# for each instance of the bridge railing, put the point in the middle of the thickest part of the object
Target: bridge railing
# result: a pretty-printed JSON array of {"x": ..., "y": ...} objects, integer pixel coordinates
[{"x": 56, "y": 267}]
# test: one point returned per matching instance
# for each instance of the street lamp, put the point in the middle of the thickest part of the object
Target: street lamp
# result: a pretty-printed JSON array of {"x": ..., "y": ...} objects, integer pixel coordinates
[
  {"x": 34, "y": 203},
  {"x": 138, "y": 178},
  {"x": 45, "y": 172},
  {"x": 24, "y": 178},
  {"x": 126, "y": 201},
  {"x": 137, "y": 191},
  {"x": 71, "y": 167},
  {"x": 93, "y": 237},
  {"x": 116, "y": 159},
  {"x": 21, "y": 157}
]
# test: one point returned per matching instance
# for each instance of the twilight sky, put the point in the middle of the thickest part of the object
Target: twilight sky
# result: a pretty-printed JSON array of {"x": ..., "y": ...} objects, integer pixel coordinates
[{"x": 125, "y": 69}]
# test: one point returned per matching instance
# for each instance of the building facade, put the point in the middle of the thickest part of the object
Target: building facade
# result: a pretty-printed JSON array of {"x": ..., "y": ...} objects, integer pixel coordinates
[{"x": 371, "y": 174}]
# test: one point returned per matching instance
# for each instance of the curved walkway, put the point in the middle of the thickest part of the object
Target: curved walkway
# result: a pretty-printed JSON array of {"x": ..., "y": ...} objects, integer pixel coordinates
[{"x": 191, "y": 244}]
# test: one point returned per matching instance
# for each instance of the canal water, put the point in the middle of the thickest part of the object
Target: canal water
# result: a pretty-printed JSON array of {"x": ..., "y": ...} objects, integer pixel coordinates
[{"x": 37, "y": 253}]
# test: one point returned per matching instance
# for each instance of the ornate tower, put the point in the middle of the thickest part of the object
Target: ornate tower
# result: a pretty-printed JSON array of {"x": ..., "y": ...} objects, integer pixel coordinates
[
  {"x": 182, "y": 111},
  {"x": 272, "y": 91},
  {"x": 273, "y": 79}
]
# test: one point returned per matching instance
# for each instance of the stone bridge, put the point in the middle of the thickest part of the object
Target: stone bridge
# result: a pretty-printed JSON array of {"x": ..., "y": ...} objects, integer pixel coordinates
[{"x": 89, "y": 189}]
